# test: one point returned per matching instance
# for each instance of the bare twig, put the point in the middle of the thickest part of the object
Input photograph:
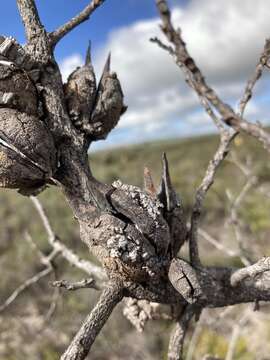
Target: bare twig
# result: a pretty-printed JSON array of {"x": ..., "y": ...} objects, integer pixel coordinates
[
  {"x": 83, "y": 284},
  {"x": 255, "y": 77},
  {"x": 179, "y": 52},
  {"x": 68, "y": 254},
  {"x": 237, "y": 329},
  {"x": 82, "y": 342},
  {"x": 218, "y": 245},
  {"x": 52, "y": 308},
  {"x": 225, "y": 140},
  {"x": 178, "y": 335},
  {"x": 47, "y": 261},
  {"x": 194, "y": 339},
  {"x": 251, "y": 181},
  {"x": 188, "y": 65},
  {"x": 59, "y": 33},
  {"x": 251, "y": 271},
  {"x": 29, "y": 282}
]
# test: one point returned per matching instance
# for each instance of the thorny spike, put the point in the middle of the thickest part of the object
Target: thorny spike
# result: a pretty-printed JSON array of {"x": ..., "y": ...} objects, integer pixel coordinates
[
  {"x": 107, "y": 67},
  {"x": 88, "y": 59},
  {"x": 106, "y": 71},
  {"x": 166, "y": 192},
  {"x": 148, "y": 182}
]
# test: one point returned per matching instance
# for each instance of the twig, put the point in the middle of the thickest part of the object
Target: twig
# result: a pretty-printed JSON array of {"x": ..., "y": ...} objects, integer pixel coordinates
[
  {"x": 217, "y": 244},
  {"x": 180, "y": 54},
  {"x": 53, "y": 306},
  {"x": 251, "y": 271},
  {"x": 49, "y": 268},
  {"x": 251, "y": 181},
  {"x": 225, "y": 140},
  {"x": 188, "y": 65},
  {"x": 82, "y": 342},
  {"x": 83, "y": 284},
  {"x": 178, "y": 335},
  {"x": 68, "y": 254},
  {"x": 29, "y": 282},
  {"x": 194, "y": 339},
  {"x": 58, "y": 34}
]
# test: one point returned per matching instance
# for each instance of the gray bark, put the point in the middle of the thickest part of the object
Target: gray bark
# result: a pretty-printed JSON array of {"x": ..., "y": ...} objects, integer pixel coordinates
[{"x": 135, "y": 234}]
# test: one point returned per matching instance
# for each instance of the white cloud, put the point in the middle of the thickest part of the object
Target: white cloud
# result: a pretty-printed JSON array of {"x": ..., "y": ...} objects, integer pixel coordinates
[{"x": 225, "y": 38}]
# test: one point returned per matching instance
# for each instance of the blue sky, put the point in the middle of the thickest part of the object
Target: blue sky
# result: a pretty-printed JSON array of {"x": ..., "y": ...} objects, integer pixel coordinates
[{"x": 225, "y": 38}]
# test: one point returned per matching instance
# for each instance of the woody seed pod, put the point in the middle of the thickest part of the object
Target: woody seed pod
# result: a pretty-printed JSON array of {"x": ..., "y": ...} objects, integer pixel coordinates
[
  {"x": 109, "y": 105},
  {"x": 27, "y": 150},
  {"x": 80, "y": 93}
]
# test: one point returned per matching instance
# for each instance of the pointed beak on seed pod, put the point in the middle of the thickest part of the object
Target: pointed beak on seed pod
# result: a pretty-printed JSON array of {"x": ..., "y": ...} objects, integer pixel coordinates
[
  {"x": 27, "y": 151},
  {"x": 109, "y": 103},
  {"x": 173, "y": 209},
  {"x": 94, "y": 110},
  {"x": 80, "y": 91}
]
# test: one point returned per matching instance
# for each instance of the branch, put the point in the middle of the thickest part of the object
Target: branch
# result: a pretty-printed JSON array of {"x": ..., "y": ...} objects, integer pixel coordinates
[
  {"x": 218, "y": 245},
  {"x": 29, "y": 282},
  {"x": 194, "y": 338},
  {"x": 45, "y": 260},
  {"x": 252, "y": 271},
  {"x": 30, "y": 18},
  {"x": 234, "y": 219},
  {"x": 68, "y": 254},
  {"x": 225, "y": 140},
  {"x": 190, "y": 68},
  {"x": 263, "y": 61},
  {"x": 83, "y": 284},
  {"x": 82, "y": 342},
  {"x": 178, "y": 335},
  {"x": 58, "y": 34},
  {"x": 237, "y": 330}
]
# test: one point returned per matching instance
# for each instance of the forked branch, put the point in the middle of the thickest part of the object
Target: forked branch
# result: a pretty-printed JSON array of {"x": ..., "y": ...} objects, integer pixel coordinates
[
  {"x": 82, "y": 342},
  {"x": 59, "y": 33},
  {"x": 72, "y": 258}
]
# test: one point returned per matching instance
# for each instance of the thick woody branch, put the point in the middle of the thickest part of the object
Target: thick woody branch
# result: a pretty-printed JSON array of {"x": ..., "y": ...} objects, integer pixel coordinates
[
  {"x": 178, "y": 334},
  {"x": 27, "y": 284},
  {"x": 263, "y": 61},
  {"x": 30, "y": 18},
  {"x": 188, "y": 65},
  {"x": 211, "y": 287},
  {"x": 47, "y": 261},
  {"x": 82, "y": 342},
  {"x": 237, "y": 329},
  {"x": 251, "y": 271},
  {"x": 58, "y": 34}
]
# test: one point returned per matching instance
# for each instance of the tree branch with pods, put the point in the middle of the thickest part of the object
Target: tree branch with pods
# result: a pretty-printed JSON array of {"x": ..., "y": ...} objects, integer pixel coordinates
[{"x": 136, "y": 234}]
